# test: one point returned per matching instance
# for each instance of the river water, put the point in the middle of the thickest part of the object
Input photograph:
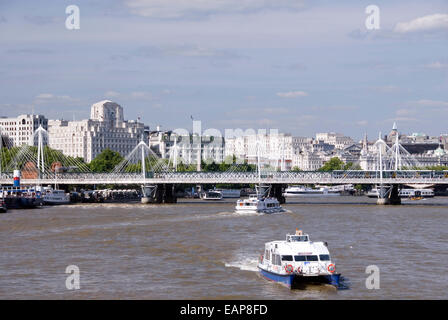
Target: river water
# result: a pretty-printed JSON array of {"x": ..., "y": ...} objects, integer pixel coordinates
[{"x": 201, "y": 250}]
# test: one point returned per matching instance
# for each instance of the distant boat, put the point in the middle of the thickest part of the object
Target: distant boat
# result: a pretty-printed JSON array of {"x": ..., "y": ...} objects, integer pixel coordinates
[
  {"x": 301, "y": 191},
  {"x": 259, "y": 203},
  {"x": 406, "y": 193},
  {"x": 211, "y": 195},
  {"x": 230, "y": 193},
  {"x": 20, "y": 197},
  {"x": 55, "y": 197},
  {"x": 3, "y": 207}
]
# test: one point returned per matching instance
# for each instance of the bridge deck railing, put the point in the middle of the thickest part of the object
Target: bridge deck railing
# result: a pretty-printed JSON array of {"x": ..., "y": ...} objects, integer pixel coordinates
[{"x": 402, "y": 176}]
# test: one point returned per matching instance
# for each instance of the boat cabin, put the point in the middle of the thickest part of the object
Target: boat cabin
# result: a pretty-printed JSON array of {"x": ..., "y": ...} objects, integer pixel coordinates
[{"x": 297, "y": 238}]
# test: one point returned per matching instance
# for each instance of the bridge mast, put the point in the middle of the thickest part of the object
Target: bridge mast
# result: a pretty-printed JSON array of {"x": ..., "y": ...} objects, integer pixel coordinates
[
  {"x": 143, "y": 160},
  {"x": 1, "y": 145},
  {"x": 40, "y": 151}
]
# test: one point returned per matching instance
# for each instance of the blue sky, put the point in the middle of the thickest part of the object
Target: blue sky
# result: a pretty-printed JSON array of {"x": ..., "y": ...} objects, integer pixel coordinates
[{"x": 296, "y": 65}]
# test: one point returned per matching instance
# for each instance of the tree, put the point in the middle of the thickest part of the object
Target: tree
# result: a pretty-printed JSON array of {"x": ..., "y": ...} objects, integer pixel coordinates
[
  {"x": 333, "y": 164},
  {"x": 295, "y": 169},
  {"x": 106, "y": 161}
]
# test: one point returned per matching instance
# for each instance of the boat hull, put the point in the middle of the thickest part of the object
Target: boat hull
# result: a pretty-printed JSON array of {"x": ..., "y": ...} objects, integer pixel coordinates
[
  {"x": 56, "y": 202},
  {"x": 22, "y": 203},
  {"x": 306, "y": 195},
  {"x": 295, "y": 281},
  {"x": 266, "y": 211}
]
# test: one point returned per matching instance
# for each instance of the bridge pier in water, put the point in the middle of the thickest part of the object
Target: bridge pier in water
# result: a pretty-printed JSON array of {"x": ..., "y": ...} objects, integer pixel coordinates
[
  {"x": 277, "y": 192},
  {"x": 160, "y": 193},
  {"x": 392, "y": 196}
]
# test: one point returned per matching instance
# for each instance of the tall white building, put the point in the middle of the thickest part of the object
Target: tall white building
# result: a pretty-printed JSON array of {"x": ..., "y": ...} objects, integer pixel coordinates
[
  {"x": 106, "y": 128},
  {"x": 338, "y": 140},
  {"x": 309, "y": 160},
  {"x": 273, "y": 149},
  {"x": 186, "y": 148},
  {"x": 18, "y": 131}
]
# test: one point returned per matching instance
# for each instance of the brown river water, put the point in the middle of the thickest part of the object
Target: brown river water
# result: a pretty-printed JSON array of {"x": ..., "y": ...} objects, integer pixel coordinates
[{"x": 203, "y": 250}]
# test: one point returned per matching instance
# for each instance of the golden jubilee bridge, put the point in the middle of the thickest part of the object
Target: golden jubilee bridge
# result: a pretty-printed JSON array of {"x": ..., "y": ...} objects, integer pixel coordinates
[{"x": 40, "y": 165}]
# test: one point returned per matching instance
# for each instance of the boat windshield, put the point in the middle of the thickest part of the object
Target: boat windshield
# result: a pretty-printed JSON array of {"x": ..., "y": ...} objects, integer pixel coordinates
[
  {"x": 305, "y": 258},
  {"x": 324, "y": 257},
  {"x": 297, "y": 238}
]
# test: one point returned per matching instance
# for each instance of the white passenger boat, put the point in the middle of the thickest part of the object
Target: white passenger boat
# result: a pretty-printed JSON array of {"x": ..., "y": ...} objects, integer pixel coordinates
[
  {"x": 301, "y": 191},
  {"x": 55, "y": 197},
  {"x": 259, "y": 203},
  {"x": 230, "y": 193},
  {"x": 298, "y": 260},
  {"x": 211, "y": 195},
  {"x": 405, "y": 193}
]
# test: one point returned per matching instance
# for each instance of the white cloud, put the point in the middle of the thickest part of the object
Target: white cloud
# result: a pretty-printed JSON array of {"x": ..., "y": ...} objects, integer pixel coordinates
[
  {"x": 387, "y": 89},
  {"x": 111, "y": 94},
  {"x": 49, "y": 97},
  {"x": 362, "y": 123},
  {"x": 431, "y": 103},
  {"x": 437, "y": 65},
  {"x": 172, "y": 9},
  {"x": 141, "y": 95},
  {"x": 292, "y": 94},
  {"x": 427, "y": 23},
  {"x": 45, "y": 96}
]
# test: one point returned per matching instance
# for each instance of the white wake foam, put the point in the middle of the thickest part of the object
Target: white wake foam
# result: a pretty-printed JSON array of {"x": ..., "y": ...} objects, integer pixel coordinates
[{"x": 246, "y": 264}]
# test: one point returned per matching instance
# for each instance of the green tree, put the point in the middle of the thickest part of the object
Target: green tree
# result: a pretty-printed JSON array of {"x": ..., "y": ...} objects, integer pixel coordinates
[
  {"x": 105, "y": 161},
  {"x": 333, "y": 164},
  {"x": 295, "y": 169}
]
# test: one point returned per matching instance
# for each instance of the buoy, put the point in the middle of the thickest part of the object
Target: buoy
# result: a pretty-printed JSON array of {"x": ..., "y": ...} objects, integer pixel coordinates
[{"x": 16, "y": 178}]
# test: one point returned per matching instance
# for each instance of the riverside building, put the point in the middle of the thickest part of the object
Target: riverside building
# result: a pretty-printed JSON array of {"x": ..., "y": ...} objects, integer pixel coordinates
[
  {"x": 18, "y": 131},
  {"x": 106, "y": 128},
  {"x": 188, "y": 148}
]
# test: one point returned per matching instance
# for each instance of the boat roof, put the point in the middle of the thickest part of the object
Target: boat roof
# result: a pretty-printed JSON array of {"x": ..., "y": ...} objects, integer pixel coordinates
[{"x": 298, "y": 244}]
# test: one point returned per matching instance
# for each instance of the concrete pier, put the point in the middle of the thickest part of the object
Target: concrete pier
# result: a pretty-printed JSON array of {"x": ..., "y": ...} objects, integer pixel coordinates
[
  {"x": 392, "y": 198},
  {"x": 277, "y": 192}
]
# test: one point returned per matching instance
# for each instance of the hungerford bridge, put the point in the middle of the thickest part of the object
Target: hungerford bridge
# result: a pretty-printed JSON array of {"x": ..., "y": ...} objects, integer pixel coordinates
[{"x": 158, "y": 177}]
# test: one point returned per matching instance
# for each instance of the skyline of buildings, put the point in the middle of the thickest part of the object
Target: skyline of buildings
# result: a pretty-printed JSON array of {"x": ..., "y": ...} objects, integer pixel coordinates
[{"x": 107, "y": 128}]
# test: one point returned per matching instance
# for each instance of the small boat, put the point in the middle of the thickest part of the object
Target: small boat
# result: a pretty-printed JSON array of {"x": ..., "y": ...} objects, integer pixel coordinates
[
  {"x": 259, "y": 203},
  {"x": 3, "y": 208},
  {"x": 405, "y": 193},
  {"x": 230, "y": 193},
  {"x": 297, "y": 261},
  {"x": 211, "y": 195},
  {"x": 20, "y": 197},
  {"x": 301, "y": 191},
  {"x": 51, "y": 196}
]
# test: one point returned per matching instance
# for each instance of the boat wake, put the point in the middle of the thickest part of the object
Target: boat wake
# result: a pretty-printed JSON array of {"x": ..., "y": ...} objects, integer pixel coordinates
[
  {"x": 246, "y": 264},
  {"x": 236, "y": 213}
]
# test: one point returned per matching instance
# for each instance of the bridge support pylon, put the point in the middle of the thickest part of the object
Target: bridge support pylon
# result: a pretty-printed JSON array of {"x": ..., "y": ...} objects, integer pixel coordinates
[
  {"x": 391, "y": 196},
  {"x": 160, "y": 193},
  {"x": 277, "y": 192},
  {"x": 170, "y": 195},
  {"x": 148, "y": 193}
]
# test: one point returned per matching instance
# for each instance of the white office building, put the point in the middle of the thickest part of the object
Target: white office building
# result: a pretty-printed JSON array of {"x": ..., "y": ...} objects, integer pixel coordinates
[
  {"x": 18, "y": 131},
  {"x": 106, "y": 128},
  {"x": 338, "y": 140},
  {"x": 186, "y": 149},
  {"x": 275, "y": 150}
]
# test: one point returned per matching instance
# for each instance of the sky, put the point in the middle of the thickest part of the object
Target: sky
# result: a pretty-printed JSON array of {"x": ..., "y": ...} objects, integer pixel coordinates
[{"x": 299, "y": 66}]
